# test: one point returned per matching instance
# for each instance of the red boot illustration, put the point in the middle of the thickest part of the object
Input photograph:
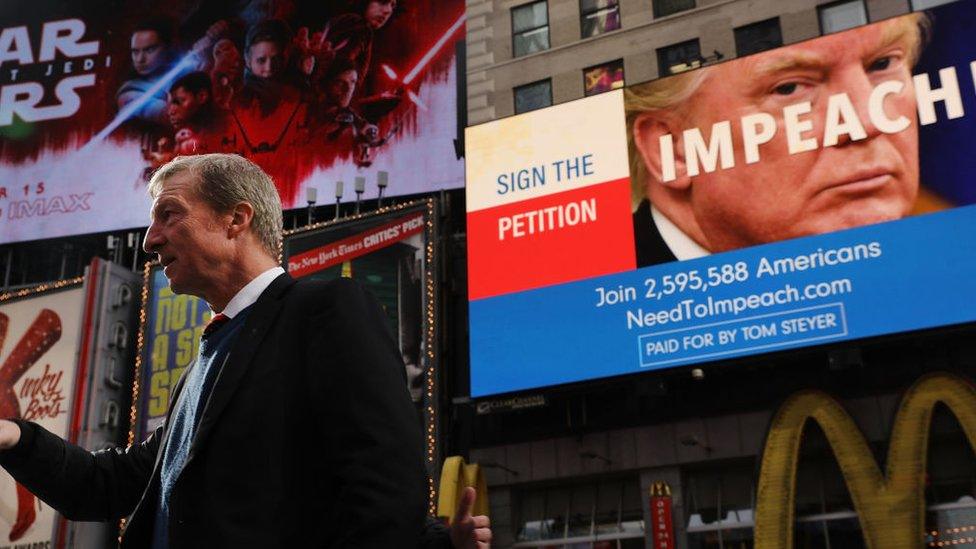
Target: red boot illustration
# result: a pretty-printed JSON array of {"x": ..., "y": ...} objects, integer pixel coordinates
[{"x": 42, "y": 334}]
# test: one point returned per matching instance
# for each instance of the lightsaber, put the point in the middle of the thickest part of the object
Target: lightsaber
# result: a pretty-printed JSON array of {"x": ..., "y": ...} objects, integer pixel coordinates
[
  {"x": 416, "y": 99},
  {"x": 133, "y": 107},
  {"x": 433, "y": 51},
  {"x": 424, "y": 61},
  {"x": 392, "y": 75}
]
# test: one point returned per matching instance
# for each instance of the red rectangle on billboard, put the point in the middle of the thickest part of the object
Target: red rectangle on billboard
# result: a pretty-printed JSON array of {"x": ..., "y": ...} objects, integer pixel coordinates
[{"x": 551, "y": 239}]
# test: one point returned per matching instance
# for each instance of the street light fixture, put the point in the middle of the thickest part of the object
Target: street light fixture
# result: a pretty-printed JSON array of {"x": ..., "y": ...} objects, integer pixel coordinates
[
  {"x": 338, "y": 195},
  {"x": 311, "y": 193},
  {"x": 360, "y": 189},
  {"x": 382, "y": 180}
]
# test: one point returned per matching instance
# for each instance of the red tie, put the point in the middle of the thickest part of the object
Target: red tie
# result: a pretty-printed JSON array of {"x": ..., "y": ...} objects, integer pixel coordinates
[{"x": 215, "y": 323}]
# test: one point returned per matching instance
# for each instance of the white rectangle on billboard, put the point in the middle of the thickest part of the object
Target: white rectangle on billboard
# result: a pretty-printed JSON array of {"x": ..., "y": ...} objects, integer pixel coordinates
[{"x": 546, "y": 151}]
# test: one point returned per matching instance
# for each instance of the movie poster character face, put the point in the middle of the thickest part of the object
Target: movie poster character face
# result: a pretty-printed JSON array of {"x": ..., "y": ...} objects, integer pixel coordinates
[{"x": 149, "y": 53}]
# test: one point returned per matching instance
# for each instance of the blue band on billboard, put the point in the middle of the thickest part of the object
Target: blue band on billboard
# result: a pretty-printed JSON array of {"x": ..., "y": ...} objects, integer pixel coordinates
[{"x": 863, "y": 282}]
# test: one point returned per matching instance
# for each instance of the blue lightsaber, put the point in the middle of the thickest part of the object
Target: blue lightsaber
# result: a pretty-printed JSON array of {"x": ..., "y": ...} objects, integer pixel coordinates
[{"x": 126, "y": 113}]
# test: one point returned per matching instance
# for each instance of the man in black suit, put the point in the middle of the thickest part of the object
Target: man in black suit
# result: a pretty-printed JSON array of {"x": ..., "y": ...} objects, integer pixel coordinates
[{"x": 292, "y": 429}]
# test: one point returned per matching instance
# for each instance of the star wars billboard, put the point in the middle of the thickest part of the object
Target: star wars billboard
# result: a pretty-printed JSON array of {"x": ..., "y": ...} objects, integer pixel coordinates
[
  {"x": 813, "y": 193},
  {"x": 95, "y": 96}
]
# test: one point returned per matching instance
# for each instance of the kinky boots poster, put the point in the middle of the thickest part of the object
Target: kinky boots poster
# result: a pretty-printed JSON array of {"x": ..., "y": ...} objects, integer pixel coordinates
[{"x": 39, "y": 338}]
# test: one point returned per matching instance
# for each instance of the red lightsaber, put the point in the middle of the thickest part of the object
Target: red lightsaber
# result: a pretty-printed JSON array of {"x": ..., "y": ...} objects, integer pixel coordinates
[{"x": 424, "y": 61}]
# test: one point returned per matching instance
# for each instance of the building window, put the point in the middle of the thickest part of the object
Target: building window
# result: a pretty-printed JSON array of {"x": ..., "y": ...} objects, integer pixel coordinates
[
  {"x": 679, "y": 57},
  {"x": 533, "y": 96},
  {"x": 530, "y": 28},
  {"x": 719, "y": 505},
  {"x": 580, "y": 514},
  {"x": 840, "y": 16},
  {"x": 918, "y": 5},
  {"x": 663, "y": 8},
  {"x": 603, "y": 78},
  {"x": 599, "y": 16},
  {"x": 757, "y": 37}
]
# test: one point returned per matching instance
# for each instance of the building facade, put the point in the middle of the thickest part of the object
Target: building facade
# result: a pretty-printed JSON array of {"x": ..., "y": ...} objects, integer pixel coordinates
[
  {"x": 552, "y": 44},
  {"x": 578, "y": 472}
]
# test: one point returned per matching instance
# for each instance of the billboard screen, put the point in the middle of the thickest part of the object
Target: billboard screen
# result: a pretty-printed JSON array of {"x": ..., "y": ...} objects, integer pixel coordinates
[
  {"x": 40, "y": 336},
  {"x": 813, "y": 193},
  {"x": 95, "y": 96},
  {"x": 171, "y": 331}
]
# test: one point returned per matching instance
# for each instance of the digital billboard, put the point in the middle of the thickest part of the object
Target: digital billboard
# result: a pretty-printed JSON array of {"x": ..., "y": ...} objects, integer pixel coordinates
[
  {"x": 814, "y": 193},
  {"x": 94, "y": 96}
]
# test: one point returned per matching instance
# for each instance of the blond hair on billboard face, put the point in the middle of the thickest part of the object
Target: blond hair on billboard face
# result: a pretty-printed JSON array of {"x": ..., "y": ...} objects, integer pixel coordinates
[{"x": 665, "y": 94}]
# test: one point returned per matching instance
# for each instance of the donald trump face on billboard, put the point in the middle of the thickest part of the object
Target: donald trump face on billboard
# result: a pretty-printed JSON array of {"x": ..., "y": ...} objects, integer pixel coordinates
[{"x": 806, "y": 139}]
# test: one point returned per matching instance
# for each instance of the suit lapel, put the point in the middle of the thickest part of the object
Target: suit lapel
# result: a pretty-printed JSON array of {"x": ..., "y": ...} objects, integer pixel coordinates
[
  {"x": 650, "y": 245},
  {"x": 241, "y": 355}
]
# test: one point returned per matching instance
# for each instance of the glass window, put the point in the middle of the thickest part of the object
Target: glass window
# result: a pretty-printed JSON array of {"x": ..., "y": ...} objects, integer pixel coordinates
[
  {"x": 842, "y": 16},
  {"x": 719, "y": 504},
  {"x": 926, "y": 4},
  {"x": 679, "y": 57},
  {"x": 533, "y": 96},
  {"x": 602, "y": 78},
  {"x": 582, "y": 509},
  {"x": 530, "y": 28},
  {"x": 667, "y": 7},
  {"x": 599, "y": 16},
  {"x": 757, "y": 37},
  {"x": 582, "y": 515}
]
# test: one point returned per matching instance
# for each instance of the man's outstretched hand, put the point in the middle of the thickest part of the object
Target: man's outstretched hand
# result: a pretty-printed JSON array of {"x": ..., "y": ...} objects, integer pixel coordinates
[
  {"x": 10, "y": 435},
  {"x": 469, "y": 532}
]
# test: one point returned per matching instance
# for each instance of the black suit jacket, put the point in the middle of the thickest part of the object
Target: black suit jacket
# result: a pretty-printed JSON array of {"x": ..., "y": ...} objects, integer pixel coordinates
[
  {"x": 308, "y": 439},
  {"x": 650, "y": 246}
]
